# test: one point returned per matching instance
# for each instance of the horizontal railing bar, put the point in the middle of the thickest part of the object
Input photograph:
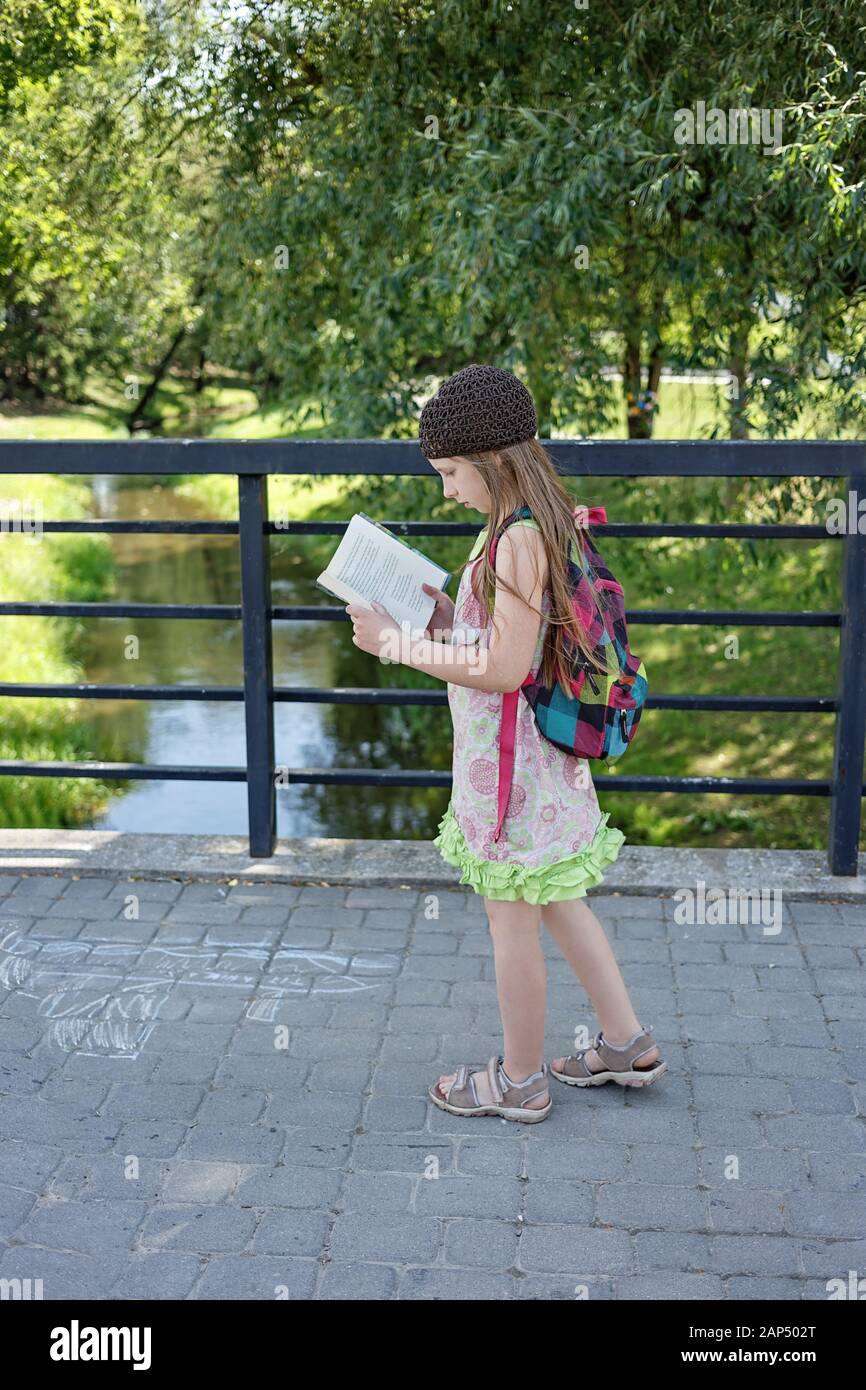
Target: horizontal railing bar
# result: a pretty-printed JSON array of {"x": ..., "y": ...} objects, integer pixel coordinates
[
  {"x": 741, "y": 786},
  {"x": 646, "y": 529},
  {"x": 15, "y": 767},
  {"x": 156, "y": 528},
  {"x": 623, "y": 458},
  {"x": 85, "y": 691},
  {"x": 399, "y": 777},
  {"x": 686, "y": 616},
  {"x": 758, "y": 786},
  {"x": 326, "y": 695},
  {"x": 228, "y": 611},
  {"x": 673, "y": 530},
  {"x": 323, "y": 612},
  {"x": 793, "y": 704}
]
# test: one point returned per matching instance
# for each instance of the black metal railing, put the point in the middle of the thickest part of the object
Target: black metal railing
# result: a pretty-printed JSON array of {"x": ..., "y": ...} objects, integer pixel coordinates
[{"x": 253, "y": 461}]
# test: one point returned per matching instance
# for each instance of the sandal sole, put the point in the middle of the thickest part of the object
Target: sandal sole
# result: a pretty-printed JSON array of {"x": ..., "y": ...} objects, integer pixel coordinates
[
  {"x": 622, "y": 1078},
  {"x": 526, "y": 1117}
]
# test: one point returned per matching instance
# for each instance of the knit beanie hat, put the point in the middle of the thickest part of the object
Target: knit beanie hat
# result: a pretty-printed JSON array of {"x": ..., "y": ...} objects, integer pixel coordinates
[{"x": 482, "y": 407}]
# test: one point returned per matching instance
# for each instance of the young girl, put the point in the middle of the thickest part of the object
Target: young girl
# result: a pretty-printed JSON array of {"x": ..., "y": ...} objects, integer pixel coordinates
[{"x": 478, "y": 433}]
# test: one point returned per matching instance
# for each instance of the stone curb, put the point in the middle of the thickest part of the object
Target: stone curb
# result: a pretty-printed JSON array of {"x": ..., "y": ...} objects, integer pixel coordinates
[{"x": 797, "y": 874}]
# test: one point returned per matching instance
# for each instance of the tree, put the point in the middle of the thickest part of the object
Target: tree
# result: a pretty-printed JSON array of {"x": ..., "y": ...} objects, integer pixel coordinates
[
  {"x": 95, "y": 205},
  {"x": 437, "y": 173}
]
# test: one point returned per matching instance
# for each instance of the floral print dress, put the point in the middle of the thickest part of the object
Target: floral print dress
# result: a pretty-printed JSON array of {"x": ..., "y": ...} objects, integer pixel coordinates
[{"x": 555, "y": 842}]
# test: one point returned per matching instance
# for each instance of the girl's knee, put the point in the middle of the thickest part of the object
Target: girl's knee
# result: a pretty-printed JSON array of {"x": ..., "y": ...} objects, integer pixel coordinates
[
  {"x": 551, "y": 915},
  {"x": 506, "y": 916}
]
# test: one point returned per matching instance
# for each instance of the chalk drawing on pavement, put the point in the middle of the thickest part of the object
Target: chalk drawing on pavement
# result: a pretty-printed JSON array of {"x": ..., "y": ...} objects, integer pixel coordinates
[{"x": 105, "y": 998}]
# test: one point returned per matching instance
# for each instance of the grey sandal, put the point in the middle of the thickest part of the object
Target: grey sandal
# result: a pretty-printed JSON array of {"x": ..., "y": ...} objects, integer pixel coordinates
[
  {"x": 509, "y": 1097},
  {"x": 620, "y": 1063}
]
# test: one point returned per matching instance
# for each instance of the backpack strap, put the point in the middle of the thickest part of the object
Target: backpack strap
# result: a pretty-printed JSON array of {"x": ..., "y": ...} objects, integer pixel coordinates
[
  {"x": 510, "y": 700},
  {"x": 508, "y": 720},
  {"x": 507, "y": 728}
]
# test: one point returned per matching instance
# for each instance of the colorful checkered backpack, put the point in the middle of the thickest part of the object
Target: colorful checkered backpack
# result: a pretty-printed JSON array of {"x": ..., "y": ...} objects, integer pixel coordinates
[{"x": 601, "y": 720}]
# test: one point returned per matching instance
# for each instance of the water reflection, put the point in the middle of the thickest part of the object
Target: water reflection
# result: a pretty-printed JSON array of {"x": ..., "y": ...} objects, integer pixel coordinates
[{"x": 205, "y": 569}]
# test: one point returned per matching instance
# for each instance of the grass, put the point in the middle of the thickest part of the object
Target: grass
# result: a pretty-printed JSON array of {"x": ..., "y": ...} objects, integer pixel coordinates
[
  {"x": 667, "y": 573},
  {"x": 227, "y": 408},
  {"x": 42, "y": 568}
]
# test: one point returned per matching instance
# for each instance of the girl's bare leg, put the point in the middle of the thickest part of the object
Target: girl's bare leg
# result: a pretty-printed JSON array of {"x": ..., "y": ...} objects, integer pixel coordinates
[
  {"x": 521, "y": 986},
  {"x": 581, "y": 938}
]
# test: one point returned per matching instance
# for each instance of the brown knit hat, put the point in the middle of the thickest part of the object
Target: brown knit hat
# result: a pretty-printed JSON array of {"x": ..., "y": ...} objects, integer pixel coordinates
[{"x": 480, "y": 408}]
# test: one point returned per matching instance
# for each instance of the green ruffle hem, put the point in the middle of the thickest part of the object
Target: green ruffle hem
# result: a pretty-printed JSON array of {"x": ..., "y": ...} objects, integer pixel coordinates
[{"x": 550, "y": 883}]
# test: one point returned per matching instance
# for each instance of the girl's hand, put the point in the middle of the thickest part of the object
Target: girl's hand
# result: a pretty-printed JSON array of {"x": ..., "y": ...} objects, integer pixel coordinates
[
  {"x": 442, "y": 615},
  {"x": 372, "y": 629}
]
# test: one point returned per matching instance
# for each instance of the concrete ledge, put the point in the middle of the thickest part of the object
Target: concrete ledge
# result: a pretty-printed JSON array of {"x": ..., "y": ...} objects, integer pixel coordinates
[{"x": 799, "y": 874}]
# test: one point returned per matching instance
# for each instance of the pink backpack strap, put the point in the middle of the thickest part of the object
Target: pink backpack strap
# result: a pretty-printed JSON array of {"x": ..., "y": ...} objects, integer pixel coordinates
[
  {"x": 507, "y": 729},
  {"x": 508, "y": 722},
  {"x": 594, "y": 515}
]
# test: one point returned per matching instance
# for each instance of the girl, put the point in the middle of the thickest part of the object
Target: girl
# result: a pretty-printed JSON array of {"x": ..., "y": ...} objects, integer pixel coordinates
[{"x": 478, "y": 433}]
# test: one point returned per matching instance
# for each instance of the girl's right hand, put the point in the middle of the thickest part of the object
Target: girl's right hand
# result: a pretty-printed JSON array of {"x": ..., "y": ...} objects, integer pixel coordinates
[{"x": 442, "y": 615}]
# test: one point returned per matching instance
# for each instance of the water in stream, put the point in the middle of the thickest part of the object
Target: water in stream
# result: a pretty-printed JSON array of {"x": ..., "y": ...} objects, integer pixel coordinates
[{"x": 179, "y": 651}]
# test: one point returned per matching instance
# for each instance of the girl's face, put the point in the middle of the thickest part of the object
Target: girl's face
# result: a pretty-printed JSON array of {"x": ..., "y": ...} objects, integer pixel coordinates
[{"x": 462, "y": 481}]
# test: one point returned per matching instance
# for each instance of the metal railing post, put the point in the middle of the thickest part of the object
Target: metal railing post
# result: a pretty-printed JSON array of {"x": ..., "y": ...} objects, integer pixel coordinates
[
  {"x": 258, "y": 662},
  {"x": 850, "y": 744}
]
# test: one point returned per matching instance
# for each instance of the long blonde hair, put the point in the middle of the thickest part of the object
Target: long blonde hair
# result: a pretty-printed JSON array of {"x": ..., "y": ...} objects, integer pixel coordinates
[{"x": 524, "y": 475}]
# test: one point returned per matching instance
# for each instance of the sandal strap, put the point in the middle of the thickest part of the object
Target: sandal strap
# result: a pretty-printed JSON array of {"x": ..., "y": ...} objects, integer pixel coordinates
[
  {"x": 493, "y": 1080},
  {"x": 575, "y": 1063},
  {"x": 513, "y": 1093},
  {"x": 622, "y": 1056},
  {"x": 462, "y": 1089},
  {"x": 503, "y": 1090}
]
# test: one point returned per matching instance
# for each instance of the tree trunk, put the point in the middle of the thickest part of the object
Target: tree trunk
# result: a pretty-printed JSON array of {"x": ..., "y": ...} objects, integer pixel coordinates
[
  {"x": 199, "y": 376},
  {"x": 136, "y": 416},
  {"x": 543, "y": 397},
  {"x": 539, "y": 383},
  {"x": 631, "y": 384},
  {"x": 738, "y": 365}
]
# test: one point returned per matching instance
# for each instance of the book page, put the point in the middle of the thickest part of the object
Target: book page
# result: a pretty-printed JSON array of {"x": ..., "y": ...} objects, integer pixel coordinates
[{"x": 372, "y": 565}]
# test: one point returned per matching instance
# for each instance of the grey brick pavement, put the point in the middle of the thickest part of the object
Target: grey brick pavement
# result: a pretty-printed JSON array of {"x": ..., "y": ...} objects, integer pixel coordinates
[{"x": 217, "y": 1092}]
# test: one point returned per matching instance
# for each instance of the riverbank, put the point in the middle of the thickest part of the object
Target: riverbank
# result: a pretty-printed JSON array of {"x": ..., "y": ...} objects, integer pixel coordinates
[
  {"x": 657, "y": 573},
  {"x": 661, "y": 573},
  {"x": 47, "y": 568}
]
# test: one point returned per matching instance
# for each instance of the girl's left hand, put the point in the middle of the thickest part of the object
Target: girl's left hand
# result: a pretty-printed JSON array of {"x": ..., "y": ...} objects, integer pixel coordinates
[{"x": 372, "y": 628}]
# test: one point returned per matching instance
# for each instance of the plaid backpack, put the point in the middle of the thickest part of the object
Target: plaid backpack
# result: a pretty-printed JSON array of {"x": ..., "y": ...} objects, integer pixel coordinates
[{"x": 602, "y": 718}]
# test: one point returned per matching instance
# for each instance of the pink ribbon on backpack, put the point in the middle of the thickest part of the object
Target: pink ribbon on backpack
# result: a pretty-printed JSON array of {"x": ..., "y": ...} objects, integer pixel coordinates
[{"x": 508, "y": 722}]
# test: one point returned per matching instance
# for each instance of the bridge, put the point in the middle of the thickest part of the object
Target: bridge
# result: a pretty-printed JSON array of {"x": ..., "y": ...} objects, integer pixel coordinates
[{"x": 254, "y": 1022}]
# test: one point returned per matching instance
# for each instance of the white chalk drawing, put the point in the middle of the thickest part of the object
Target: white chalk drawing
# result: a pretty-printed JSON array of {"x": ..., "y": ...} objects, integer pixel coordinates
[{"x": 105, "y": 998}]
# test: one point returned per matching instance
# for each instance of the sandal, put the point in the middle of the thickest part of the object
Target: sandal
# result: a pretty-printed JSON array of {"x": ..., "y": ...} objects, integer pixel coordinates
[
  {"x": 509, "y": 1098},
  {"x": 620, "y": 1063}
]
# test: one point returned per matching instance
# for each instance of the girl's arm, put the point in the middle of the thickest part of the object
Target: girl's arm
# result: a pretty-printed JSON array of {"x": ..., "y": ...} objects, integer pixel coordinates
[{"x": 504, "y": 664}]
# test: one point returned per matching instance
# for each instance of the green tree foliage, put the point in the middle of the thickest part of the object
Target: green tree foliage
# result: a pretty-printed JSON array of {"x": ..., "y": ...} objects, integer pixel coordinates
[
  {"x": 39, "y": 38},
  {"x": 449, "y": 183},
  {"x": 95, "y": 202},
  {"x": 345, "y": 203}
]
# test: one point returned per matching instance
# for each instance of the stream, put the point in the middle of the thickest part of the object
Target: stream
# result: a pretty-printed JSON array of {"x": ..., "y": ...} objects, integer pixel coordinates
[{"x": 206, "y": 569}]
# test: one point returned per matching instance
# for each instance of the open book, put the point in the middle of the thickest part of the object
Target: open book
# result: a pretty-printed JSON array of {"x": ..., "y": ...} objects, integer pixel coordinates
[{"x": 371, "y": 564}]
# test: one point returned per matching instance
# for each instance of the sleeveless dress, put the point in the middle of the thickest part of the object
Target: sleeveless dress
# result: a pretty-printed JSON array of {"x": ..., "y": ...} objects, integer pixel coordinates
[{"x": 555, "y": 842}]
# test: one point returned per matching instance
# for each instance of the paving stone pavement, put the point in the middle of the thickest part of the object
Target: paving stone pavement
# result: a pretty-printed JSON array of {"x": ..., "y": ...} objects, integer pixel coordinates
[{"x": 212, "y": 1092}]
